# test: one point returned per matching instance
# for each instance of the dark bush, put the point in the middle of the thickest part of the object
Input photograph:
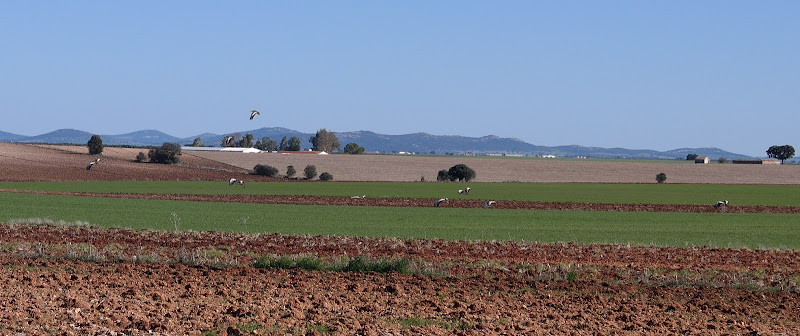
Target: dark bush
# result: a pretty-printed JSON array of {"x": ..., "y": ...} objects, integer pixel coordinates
[
  {"x": 141, "y": 157},
  {"x": 265, "y": 170},
  {"x": 442, "y": 176},
  {"x": 290, "y": 171},
  {"x": 310, "y": 172},
  {"x": 461, "y": 172},
  {"x": 661, "y": 177},
  {"x": 168, "y": 153},
  {"x": 325, "y": 176}
]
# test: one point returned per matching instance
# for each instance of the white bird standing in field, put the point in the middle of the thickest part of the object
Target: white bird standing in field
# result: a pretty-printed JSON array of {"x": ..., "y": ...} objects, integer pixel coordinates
[
  {"x": 489, "y": 204},
  {"x": 235, "y": 181},
  {"x": 464, "y": 191},
  {"x": 253, "y": 114},
  {"x": 721, "y": 203},
  {"x": 358, "y": 197},
  {"x": 439, "y": 201}
]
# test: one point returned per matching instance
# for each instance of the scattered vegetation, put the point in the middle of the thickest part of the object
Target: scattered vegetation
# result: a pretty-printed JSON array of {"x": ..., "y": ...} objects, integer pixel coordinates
[{"x": 265, "y": 170}]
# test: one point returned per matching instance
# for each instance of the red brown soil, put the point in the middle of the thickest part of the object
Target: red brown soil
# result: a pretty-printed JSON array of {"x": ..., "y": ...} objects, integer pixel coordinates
[
  {"x": 421, "y": 202},
  {"x": 481, "y": 291},
  {"x": 91, "y": 281}
]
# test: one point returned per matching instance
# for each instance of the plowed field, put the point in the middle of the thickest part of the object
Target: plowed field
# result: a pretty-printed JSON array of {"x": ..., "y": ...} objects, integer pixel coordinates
[{"x": 91, "y": 281}]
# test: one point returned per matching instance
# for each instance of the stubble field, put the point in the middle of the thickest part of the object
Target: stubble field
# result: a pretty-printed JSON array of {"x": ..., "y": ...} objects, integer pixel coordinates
[{"x": 77, "y": 280}]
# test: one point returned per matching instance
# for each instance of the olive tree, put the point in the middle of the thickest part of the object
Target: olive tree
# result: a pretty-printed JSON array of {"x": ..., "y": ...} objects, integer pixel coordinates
[
  {"x": 324, "y": 141},
  {"x": 461, "y": 172}
]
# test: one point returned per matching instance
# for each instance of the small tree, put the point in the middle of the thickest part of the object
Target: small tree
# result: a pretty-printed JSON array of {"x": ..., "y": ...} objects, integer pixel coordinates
[
  {"x": 141, "y": 157},
  {"x": 284, "y": 145},
  {"x": 442, "y": 176},
  {"x": 781, "y": 152},
  {"x": 310, "y": 172},
  {"x": 168, "y": 153},
  {"x": 353, "y": 148},
  {"x": 265, "y": 170},
  {"x": 325, "y": 176},
  {"x": 461, "y": 172},
  {"x": 198, "y": 142},
  {"x": 95, "y": 145},
  {"x": 324, "y": 141},
  {"x": 290, "y": 171},
  {"x": 691, "y": 156},
  {"x": 722, "y": 159},
  {"x": 661, "y": 177}
]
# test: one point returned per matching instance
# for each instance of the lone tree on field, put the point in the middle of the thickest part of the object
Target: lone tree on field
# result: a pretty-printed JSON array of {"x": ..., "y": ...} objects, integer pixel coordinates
[
  {"x": 324, "y": 141},
  {"x": 461, "y": 172},
  {"x": 325, "y": 176},
  {"x": 781, "y": 152},
  {"x": 661, "y": 177},
  {"x": 198, "y": 142},
  {"x": 168, "y": 153},
  {"x": 691, "y": 156},
  {"x": 353, "y": 148},
  {"x": 310, "y": 172},
  {"x": 290, "y": 171},
  {"x": 95, "y": 145}
]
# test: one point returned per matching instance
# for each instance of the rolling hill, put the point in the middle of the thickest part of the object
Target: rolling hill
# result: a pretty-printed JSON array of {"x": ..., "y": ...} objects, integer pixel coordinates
[{"x": 421, "y": 143}]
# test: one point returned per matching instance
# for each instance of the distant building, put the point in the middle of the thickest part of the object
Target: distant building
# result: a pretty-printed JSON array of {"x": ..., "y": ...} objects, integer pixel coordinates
[
  {"x": 702, "y": 159},
  {"x": 757, "y": 161}
]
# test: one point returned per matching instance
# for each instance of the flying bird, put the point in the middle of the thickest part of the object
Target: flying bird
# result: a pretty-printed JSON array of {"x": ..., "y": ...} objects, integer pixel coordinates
[
  {"x": 89, "y": 166},
  {"x": 721, "y": 203},
  {"x": 253, "y": 114},
  {"x": 439, "y": 201}
]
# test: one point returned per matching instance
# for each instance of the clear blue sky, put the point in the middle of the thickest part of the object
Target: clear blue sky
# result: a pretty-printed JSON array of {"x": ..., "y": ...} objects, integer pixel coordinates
[{"x": 634, "y": 74}]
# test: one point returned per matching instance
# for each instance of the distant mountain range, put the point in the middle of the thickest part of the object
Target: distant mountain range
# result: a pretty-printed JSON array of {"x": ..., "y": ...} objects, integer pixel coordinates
[{"x": 421, "y": 143}]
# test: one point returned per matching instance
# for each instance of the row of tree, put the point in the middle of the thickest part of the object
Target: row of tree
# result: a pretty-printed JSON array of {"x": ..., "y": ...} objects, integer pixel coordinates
[
  {"x": 310, "y": 172},
  {"x": 782, "y": 153}
]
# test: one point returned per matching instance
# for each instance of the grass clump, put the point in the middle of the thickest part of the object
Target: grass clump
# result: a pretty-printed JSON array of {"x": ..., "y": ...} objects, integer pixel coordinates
[{"x": 356, "y": 264}]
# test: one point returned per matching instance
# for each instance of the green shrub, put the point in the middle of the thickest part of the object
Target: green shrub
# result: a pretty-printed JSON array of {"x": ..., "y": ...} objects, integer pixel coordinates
[
  {"x": 95, "y": 145},
  {"x": 141, "y": 157},
  {"x": 168, "y": 153},
  {"x": 265, "y": 170},
  {"x": 310, "y": 172},
  {"x": 325, "y": 176},
  {"x": 661, "y": 177},
  {"x": 290, "y": 171}
]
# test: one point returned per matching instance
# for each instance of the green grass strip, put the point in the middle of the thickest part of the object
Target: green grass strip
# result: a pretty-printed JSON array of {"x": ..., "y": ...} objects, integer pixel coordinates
[{"x": 666, "y": 229}]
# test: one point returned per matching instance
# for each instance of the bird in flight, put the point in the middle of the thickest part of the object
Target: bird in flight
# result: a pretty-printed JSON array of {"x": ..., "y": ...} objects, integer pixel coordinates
[
  {"x": 253, "y": 114},
  {"x": 440, "y": 201}
]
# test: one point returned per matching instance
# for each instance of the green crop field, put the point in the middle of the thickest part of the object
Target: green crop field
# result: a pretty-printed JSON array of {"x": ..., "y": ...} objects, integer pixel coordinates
[
  {"x": 544, "y": 192},
  {"x": 672, "y": 229}
]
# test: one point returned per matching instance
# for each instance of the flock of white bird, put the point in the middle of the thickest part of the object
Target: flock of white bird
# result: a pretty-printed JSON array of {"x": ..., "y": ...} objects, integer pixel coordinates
[{"x": 465, "y": 191}]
